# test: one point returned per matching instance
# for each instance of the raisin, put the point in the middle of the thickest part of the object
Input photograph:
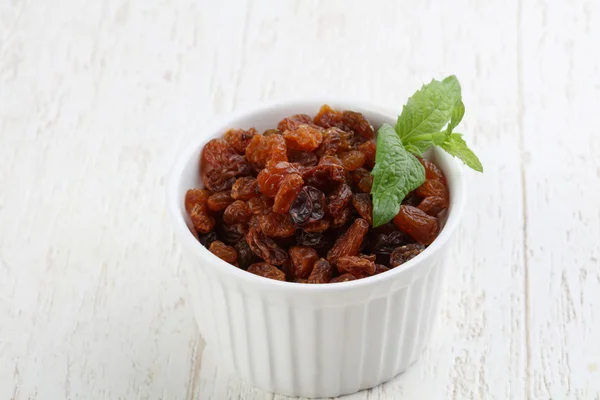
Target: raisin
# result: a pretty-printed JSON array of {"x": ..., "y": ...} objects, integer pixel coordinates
[
  {"x": 404, "y": 253},
  {"x": 195, "y": 196},
  {"x": 245, "y": 188},
  {"x": 315, "y": 240},
  {"x": 324, "y": 177},
  {"x": 352, "y": 160},
  {"x": 289, "y": 189},
  {"x": 357, "y": 266},
  {"x": 432, "y": 187},
  {"x": 321, "y": 272},
  {"x": 341, "y": 218},
  {"x": 339, "y": 200},
  {"x": 433, "y": 205},
  {"x": 305, "y": 138},
  {"x": 224, "y": 252},
  {"x": 412, "y": 199},
  {"x": 254, "y": 221},
  {"x": 330, "y": 160},
  {"x": 358, "y": 174},
  {"x": 343, "y": 278},
  {"x": 206, "y": 239},
  {"x": 366, "y": 184},
  {"x": 318, "y": 226},
  {"x": 304, "y": 158},
  {"x": 270, "y": 132},
  {"x": 303, "y": 259},
  {"x": 265, "y": 148},
  {"x": 370, "y": 257},
  {"x": 379, "y": 268},
  {"x": 237, "y": 212},
  {"x": 276, "y": 225},
  {"x": 269, "y": 179},
  {"x": 203, "y": 222},
  {"x": 265, "y": 247},
  {"x": 369, "y": 149},
  {"x": 432, "y": 171},
  {"x": 362, "y": 203},
  {"x": 327, "y": 117},
  {"x": 358, "y": 123},
  {"x": 231, "y": 234},
  {"x": 349, "y": 243},
  {"x": 331, "y": 142},
  {"x": 385, "y": 243},
  {"x": 219, "y": 201},
  {"x": 300, "y": 280},
  {"x": 308, "y": 206},
  {"x": 245, "y": 255},
  {"x": 267, "y": 271},
  {"x": 260, "y": 205},
  {"x": 420, "y": 226},
  {"x": 293, "y": 122},
  {"x": 220, "y": 165},
  {"x": 238, "y": 139}
]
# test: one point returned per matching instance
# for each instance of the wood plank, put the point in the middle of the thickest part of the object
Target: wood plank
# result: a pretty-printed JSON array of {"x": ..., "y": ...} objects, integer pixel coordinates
[{"x": 560, "y": 69}]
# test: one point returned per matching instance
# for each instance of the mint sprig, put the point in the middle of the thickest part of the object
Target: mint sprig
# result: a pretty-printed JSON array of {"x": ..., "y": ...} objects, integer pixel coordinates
[{"x": 420, "y": 125}]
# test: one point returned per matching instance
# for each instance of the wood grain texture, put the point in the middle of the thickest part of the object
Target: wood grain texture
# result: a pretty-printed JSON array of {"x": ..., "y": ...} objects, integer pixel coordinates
[{"x": 97, "y": 98}]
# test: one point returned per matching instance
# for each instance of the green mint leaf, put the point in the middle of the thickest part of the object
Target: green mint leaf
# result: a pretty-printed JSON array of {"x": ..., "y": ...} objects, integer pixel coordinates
[
  {"x": 396, "y": 173},
  {"x": 427, "y": 111},
  {"x": 457, "y": 115},
  {"x": 457, "y": 147}
]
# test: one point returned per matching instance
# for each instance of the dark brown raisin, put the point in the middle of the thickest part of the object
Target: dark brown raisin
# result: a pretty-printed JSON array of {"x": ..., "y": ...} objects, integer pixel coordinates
[
  {"x": 308, "y": 206},
  {"x": 224, "y": 252},
  {"x": 412, "y": 199},
  {"x": 267, "y": 271},
  {"x": 315, "y": 240},
  {"x": 231, "y": 234},
  {"x": 404, "y": 253},
  {"x": 245, "y": 255},
  {"x": 321, "y": 272},
  {"x": 324, "y": 177},
  {"x": 206, "y": 239},
  {"x": 303, "y": 259},
  {"x": 358, "y": 123},
  {"x": 304, "y": 158},
  {"x": 339, "y": 200},
  {"x": 265, "y": 247},
  {"x": 420, "y": 226},
  {"x": 385, "y": 243},
  {"x": 349, "y": 243},
  {"x": 318, "y": 226},
  {"x": 340, "y": 219}
]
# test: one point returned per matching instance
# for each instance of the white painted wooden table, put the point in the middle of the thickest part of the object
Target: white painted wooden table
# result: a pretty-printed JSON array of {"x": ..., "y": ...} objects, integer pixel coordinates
[{"x": 97, "y": 97}]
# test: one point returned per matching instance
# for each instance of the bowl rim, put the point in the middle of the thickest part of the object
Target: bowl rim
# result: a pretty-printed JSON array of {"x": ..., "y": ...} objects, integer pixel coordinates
[{"x": 222, "y": 123}]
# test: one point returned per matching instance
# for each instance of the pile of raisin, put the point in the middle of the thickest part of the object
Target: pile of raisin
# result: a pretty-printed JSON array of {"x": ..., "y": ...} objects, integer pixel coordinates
[{"x": 294, "y": 204}]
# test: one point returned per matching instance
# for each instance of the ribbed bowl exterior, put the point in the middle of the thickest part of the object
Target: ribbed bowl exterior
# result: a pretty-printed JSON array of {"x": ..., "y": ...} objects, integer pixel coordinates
[{"x": 308, "y": 350}]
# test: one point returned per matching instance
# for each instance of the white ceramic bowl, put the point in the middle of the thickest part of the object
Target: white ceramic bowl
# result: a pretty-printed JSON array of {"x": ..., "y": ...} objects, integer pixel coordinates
[{"x": 311, "y": 340}]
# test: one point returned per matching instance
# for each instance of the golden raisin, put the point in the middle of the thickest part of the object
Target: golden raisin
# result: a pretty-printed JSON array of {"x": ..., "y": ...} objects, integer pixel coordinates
[
  {"x": 267, "y": 271},
  {"x": 245, "y": 188},
  {"x": 420, "y": 226},
  {"x": 201, "y": 219},
  {"x": 237, "y": 212},
  {"x": 195, "y": 196},
  {"x": 224, "y": 252},
  {"x": 305, "y": 138},
  {"x": 287, "y": 192},
  {"x": 219, "y": 201},
  {"x": 303, "y": 259},
  {"x": 321, "y": 272}
]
